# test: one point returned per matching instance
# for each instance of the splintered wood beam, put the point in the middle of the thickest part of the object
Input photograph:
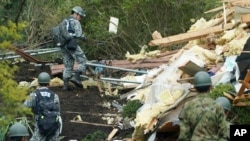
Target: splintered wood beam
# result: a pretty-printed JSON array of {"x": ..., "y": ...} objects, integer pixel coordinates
[
  {"x": 184, "y": 37},
  {"x": 90, "y": 123},
  {"x": 112, "y": 134},
  {"x": 214, "y": 10}
]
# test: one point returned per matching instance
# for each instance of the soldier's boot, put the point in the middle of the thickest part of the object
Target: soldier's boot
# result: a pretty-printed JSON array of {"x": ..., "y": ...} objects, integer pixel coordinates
[
  {"x": 76, "y": 80},
  {"x": 66, "y": 86}
]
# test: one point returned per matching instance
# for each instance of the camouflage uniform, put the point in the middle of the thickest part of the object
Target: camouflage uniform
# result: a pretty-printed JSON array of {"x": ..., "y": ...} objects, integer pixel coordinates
[
  {"x": 202, "y": 119},
  {"x": 69, "y": 56},
  {"x": 31, "y": 102}
]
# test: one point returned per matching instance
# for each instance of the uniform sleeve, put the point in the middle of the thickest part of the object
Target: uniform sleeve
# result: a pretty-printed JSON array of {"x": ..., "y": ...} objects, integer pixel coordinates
[
  {"x": 212, "y": 126},
  {"x": 184, "y": 125},
  {"x": 78, "y": 28},
  {"x": 57, "y": 102},
  {"x": 30, "y": 100},
  {"x": 224, "y": 125}
]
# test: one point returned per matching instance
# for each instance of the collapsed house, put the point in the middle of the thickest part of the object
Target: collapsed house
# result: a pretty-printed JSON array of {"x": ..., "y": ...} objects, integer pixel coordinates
[{"x": 219, "y": 46}]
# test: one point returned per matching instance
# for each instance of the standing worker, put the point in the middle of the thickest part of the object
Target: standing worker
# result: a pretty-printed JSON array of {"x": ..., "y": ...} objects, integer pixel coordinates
[
  {"x": 18, "y": 132},
  {"x": 201, "y": 118},
  {"x": 70, "y": 56},
  {"x": 45, "y": 105}
]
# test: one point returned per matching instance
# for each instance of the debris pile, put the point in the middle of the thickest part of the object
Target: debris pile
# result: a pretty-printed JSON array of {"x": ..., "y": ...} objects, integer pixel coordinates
[{"x": 212, "y": 46}]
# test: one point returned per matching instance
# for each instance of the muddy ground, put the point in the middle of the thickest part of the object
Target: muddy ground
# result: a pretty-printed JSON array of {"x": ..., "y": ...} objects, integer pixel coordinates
[{"x": 87, "y": 103}]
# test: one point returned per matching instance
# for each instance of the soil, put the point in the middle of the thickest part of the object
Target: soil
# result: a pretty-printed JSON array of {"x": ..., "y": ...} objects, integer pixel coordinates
[{"x": 84, "y": 102}]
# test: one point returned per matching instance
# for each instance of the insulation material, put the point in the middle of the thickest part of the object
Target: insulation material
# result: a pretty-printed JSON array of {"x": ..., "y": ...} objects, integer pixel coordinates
[
  {"x": 53, "y": 82},
  {"x": 196, "y": 54},
  {"x": 142, "y": 55},
  {"x": 24, "y": 84},
  {"x": 198, "y": 25},
  {"x": 56, "y": 82},
  {"x": 134, "y": 57},
  {"x": 219, "y": 49},
  {"x": 203, "y": 54},
  {"x": 160, "y": 99},
  {"x": 89, "y": 82},
  {"x": 235, "y": 46},
  {"x": 228, "y": 36},
  {"x": 153, "y": 53},
  {"x": 34, "y": 83}
]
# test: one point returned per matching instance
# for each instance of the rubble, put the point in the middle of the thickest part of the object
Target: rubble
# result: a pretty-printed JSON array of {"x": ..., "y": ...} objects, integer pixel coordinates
[{"x": 210, "y": 45}]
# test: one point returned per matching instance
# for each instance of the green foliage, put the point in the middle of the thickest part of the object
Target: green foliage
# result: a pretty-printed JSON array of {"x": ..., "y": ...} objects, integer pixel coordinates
[
  {"x": 10, "y": 32},
  {"x": 240, "y": 114},
  {"x": 11, "y": 96},
  {"x": 138, "y": 19},
  {"x": 219, "y": 90},
  {"x": 96, "y": 136},
  {"x": 129, "y": 110}
]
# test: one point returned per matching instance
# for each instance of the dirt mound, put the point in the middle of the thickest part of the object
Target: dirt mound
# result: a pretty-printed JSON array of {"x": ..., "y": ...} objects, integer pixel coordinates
[{"x": 84, "y": 103}]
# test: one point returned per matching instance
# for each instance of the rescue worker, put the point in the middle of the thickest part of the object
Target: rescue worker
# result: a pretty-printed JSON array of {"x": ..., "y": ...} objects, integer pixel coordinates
[
  {"x": 18, "y": 132},
  {"x": 225, "y": 103},
  {"x": 70, "y": 56},
  {"x": 43, "y": 80},
  {"x": 201, "y": 118}
]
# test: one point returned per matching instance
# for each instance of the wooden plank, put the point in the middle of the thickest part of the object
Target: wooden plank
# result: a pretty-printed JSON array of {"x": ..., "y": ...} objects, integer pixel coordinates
[
  {"x": 180, "y": 38},
  {"x": 90, "y": 123},
  {"x": 214, "y": 10},
  {"x": 245, "y": 18},
  {"x": 242, "y": 104},
  {"x": 229, "y": 17},
  {"x": 191, "y": 68},
  {"x": 112, "y": 134}
]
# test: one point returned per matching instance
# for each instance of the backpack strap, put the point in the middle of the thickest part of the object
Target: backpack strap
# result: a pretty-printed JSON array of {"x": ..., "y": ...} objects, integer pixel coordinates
[
  {"x": 39, "y": 97},
  {"x": 70, "y": 28}
]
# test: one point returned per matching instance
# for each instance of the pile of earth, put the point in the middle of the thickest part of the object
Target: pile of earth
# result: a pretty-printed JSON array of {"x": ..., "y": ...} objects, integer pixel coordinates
[{"x": 86, "y": 103}]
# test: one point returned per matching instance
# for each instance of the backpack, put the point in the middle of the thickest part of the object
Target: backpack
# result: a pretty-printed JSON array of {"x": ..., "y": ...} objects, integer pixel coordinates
[
  {"x": 47, "y": 111},
  {"x": 62, "y": 33}
]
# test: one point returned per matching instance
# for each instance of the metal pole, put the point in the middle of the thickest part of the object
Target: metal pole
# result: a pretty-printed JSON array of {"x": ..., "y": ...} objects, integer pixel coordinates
[
  {"x": 31, "y": 51},
  {"x": 37, "y": 53},
  {"x": 117, "y": 68}
]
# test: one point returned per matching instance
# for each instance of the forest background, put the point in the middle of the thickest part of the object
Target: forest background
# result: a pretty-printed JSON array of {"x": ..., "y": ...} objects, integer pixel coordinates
[{"x": 27, "y": 24}]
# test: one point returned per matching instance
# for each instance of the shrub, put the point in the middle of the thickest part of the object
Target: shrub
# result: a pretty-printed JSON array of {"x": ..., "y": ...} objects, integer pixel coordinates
[
  {"x": 129, "y": 110},
  {"x": 240, "y": 115},
  {"x": 95, "y": 136}
]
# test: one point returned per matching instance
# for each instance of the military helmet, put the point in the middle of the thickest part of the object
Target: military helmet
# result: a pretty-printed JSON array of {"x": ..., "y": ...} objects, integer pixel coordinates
[
  {"x": 18, "y": 130},
  {"x": 79, "y": 10},
  {"x": 43, "y": 78},
  {"x": 224, "y": 102},
  {"x": 202, "y": 78}
]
